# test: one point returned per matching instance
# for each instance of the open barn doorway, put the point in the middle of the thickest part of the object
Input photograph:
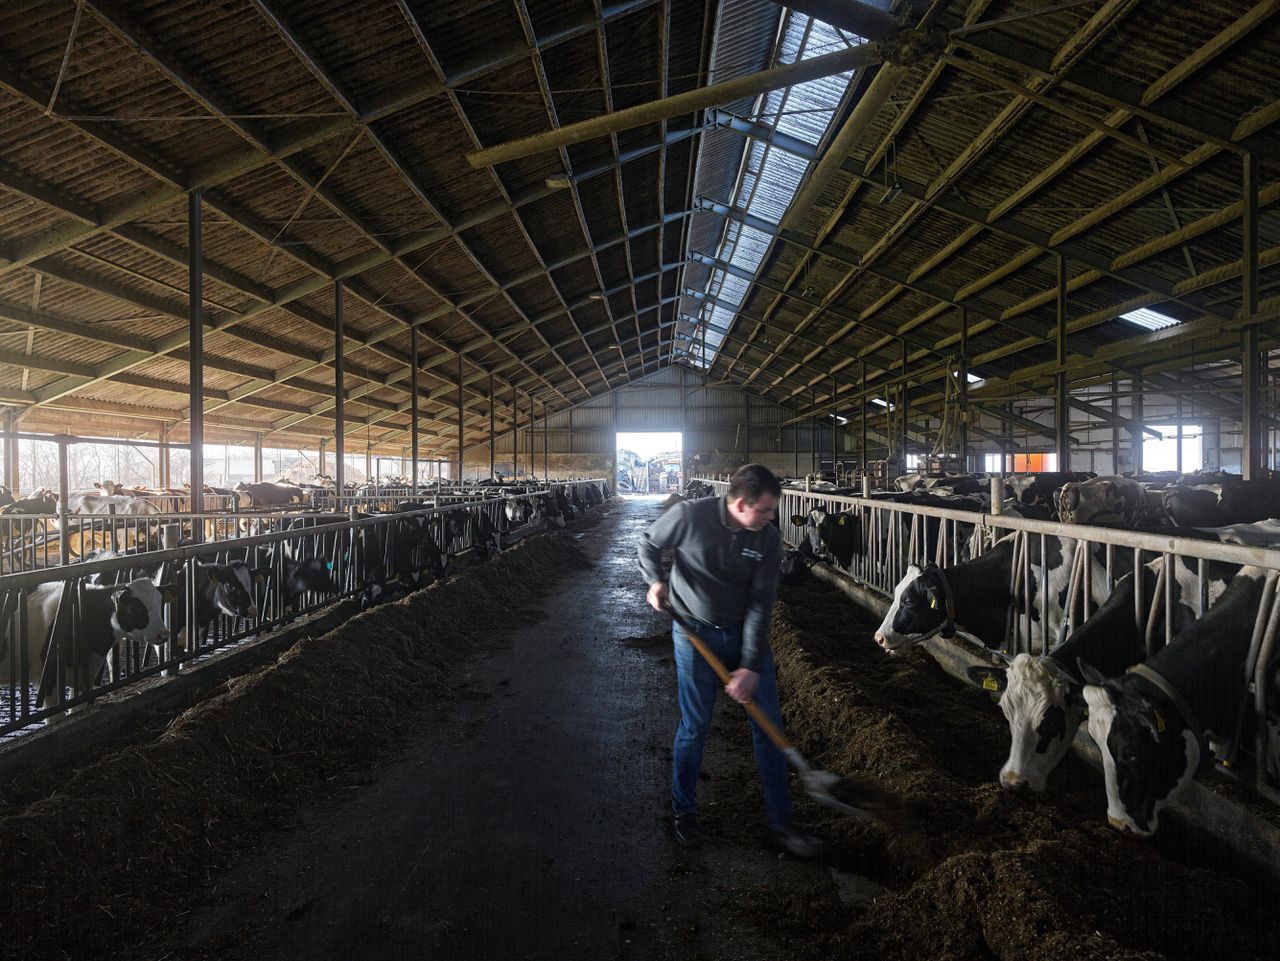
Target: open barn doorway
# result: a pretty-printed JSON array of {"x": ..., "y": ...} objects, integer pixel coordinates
[{"x": 650, "y": 462}]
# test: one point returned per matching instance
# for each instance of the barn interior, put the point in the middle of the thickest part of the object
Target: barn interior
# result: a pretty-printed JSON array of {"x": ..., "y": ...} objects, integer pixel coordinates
[{"x": 378, "y": 287}]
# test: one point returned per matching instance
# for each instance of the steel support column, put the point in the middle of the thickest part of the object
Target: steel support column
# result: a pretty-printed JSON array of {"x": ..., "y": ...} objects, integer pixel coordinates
[
  {"x": 1135, "y": 429},
  {"x": 813, "y": 430},
  {"x": 1250, "y": 375},
  {"x": 835, "y": 421},
  {"x": 11, "y": 479},
  {"x": 462, "y": 454},
  {"x": 862, "y": 385},
  {"x": 546, "y": 441},
  {"x": 195, "y": 349},
  {"x": 1061, "y": 410},
  {"x": 795, "y": 441},
  {"x": 964, "y": 389},
  {"x": 1115, "y": 424},
  {"x": 493, "y": 440},
  {"x": 904, "y": 407},
  {"x": 515, "y": 433},
  {"x": 413, "y": 405},
  {"x": 339, "y": 388},
  {"x": 257, "y": 458},
  {"x": 163, "y": 472}
]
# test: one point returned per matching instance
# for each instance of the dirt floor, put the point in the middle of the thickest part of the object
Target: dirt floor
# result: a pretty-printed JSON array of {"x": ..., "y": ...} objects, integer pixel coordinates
[{"x": 481, "y": 771}]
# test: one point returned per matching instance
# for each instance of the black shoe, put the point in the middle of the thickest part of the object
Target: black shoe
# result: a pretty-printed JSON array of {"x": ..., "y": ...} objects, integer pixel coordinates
[
  {"x": 797, "y": 843},
  {"x": 687, "y": 831}
]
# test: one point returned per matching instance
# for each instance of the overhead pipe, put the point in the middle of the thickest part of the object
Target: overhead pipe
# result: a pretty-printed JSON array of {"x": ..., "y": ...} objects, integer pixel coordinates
[{"x": 701, "y": 98}]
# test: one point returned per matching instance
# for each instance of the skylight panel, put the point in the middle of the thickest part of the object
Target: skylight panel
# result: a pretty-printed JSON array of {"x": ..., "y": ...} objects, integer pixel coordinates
[
  {"x": 1149, "y": 319},
  {"x": 771, "y": 176}
]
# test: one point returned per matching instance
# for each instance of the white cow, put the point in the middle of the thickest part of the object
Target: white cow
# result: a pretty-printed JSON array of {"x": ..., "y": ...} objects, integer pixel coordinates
[{"x": 110, "y": 504}]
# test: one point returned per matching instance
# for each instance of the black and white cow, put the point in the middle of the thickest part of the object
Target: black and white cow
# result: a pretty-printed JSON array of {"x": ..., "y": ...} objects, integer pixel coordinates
[
  {"x": 1222, "y": 503},
  {"x": 1042, "y": 696},
  {"x": 220, "y": 590},
  {"x": 1103, "y": 502},
  {"x": 108, "y": 614},
  {"x": 1042, "y": 488},
  {"x": 830, "y": 535},
  {"x": 396, "y": 557},
  {"x": 976, "y": 595},
  {"x": 1150, "y": 723}
]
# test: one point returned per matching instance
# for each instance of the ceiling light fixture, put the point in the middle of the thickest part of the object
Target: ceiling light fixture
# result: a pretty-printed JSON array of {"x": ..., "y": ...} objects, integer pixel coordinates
[{"x": 558, "y": 183}]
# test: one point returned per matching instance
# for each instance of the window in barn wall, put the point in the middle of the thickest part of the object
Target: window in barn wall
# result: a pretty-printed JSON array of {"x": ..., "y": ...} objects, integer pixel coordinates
[
  {"x": 1034, "y": 463},
  {"x": 1161, "y": 453},
  {"x": 992, "y": 465},
  {"x": 913, "y": 461}
]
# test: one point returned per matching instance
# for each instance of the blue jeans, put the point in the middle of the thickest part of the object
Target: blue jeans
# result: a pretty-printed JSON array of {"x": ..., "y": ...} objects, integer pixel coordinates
[{"x": 697, "y": 687}]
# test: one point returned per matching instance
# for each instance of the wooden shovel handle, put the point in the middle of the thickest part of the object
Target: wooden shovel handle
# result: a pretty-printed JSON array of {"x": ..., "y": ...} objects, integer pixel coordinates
[{"x": 766, "y": 725}]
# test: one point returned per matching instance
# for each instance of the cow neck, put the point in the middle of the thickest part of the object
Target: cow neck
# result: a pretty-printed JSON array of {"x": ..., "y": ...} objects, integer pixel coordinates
[
  {"x": 1179, "y": 703},
  {"x": 981, "y": 587},
  {"x": 948, "y": 629},
  {"x": 1206, "y": 662}
]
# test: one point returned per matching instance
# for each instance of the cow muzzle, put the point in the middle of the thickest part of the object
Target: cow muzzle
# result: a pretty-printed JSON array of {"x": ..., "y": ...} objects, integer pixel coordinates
[
  {"x": 886, "y": 644},
  {"x": 1013, "y": 781}
]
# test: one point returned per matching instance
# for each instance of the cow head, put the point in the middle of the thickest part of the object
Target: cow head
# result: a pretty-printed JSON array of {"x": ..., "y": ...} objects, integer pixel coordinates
[
  {"x": 918, "y": 610},
  {"x": 812, "y": 524},
  {"x": 313, "y": 574},
  {"x": 1149, "y": 755},
  {"x": 138, "y": 613},
  {"x": 1044, "y": 707},
  {"x": 232, "y": 586},
  {"x": 1101, "y": 501}
]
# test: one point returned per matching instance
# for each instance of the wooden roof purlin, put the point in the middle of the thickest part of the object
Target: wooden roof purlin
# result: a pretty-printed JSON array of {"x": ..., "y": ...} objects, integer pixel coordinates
[{"x": 318, "y": 98}]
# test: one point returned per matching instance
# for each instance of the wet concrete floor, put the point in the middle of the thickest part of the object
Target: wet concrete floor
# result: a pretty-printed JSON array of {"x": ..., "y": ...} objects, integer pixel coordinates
[{"x": 532, "y": 823}]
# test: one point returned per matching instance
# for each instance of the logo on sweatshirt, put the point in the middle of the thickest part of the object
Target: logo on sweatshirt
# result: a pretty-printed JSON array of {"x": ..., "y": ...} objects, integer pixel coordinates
[{"x": 754, "y": 555}]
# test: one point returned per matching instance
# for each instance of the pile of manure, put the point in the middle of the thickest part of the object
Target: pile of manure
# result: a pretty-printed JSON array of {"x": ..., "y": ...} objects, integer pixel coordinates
[{"x": 989, "y": 874}]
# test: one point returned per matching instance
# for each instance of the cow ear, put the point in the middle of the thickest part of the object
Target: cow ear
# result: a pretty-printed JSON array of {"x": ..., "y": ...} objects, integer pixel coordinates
[
  {"x": 798, "y": 520},
  {"x": 1090, "y": 674},
  {"x": 993, "y": 679}
]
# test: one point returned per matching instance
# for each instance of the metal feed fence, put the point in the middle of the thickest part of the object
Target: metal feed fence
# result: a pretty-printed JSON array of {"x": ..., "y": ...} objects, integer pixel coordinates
[
  {"x": 42, "y": 680},
  {"x": 889, "y": 537}
]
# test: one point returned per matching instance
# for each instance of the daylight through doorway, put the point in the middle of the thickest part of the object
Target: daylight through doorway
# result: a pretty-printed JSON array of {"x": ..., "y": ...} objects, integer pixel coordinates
[{"x": 649, "y": 462}]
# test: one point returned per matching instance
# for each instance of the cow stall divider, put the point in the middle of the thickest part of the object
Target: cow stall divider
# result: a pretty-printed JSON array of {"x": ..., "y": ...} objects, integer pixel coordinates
[
  {"x": 40, "y": 681},
  {"x": 889, "y": 537}
]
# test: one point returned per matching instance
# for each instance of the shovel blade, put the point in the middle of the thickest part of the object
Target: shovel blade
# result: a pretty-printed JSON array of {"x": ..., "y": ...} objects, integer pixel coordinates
[{"x": 819, "y": 784}]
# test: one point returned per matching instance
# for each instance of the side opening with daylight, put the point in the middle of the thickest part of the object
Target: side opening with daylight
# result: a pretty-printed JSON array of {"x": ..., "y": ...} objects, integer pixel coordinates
[{"x": 649, "y": 463}]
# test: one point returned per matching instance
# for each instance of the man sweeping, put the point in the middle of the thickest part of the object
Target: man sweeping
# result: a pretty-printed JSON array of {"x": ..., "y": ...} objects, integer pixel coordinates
[{"x": 723, "y": 582}]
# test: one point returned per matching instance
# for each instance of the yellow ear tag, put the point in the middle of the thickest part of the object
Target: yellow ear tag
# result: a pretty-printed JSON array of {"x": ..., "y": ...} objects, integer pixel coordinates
[
  {"x": 166, "y": 597},
  {"x": 1159, "y": 722},
  {"x": 933, "y": 602},
  {"x": 843, "y": 520},
  {"x": 258, "y": 578},
  {"x": 989, "y": 684}
]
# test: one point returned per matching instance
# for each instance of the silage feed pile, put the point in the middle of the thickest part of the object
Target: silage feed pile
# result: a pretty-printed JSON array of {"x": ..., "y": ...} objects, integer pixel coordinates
[
  {"x": 987, "y": 873},
  {"x": 102, "y": 863}
]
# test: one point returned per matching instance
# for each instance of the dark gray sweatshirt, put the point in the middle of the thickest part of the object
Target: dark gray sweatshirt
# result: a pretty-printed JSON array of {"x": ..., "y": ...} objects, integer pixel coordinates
[{"x": 723, "y": 574}]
